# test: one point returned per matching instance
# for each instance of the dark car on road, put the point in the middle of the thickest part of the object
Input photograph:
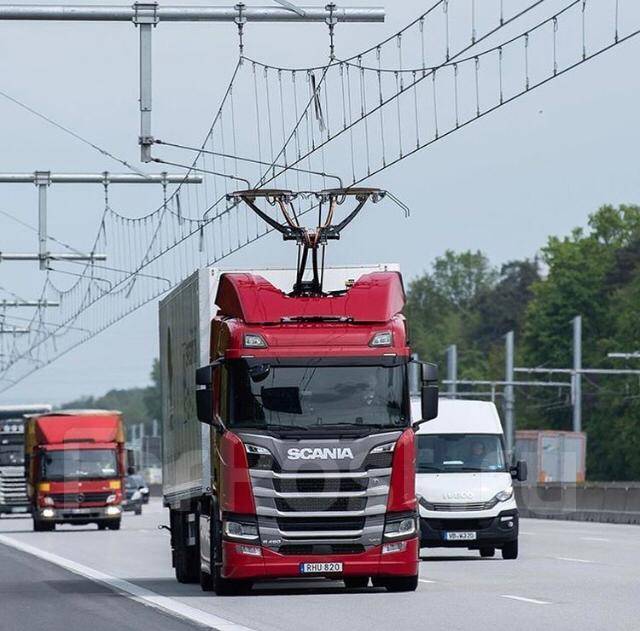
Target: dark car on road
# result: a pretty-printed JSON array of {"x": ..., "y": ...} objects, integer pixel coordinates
[{"x": 132, "y": 499}]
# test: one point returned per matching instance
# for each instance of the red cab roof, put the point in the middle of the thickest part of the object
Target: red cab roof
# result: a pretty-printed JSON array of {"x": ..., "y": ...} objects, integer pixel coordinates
[
  {"x": 94, "y": 426},
  {"x": 375, "y": 297}
]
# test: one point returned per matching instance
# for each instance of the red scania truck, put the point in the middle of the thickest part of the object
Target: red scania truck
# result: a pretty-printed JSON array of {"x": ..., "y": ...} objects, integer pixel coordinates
[
  {"x": 303, "y": 463},
  {"x": 75, "y": 468}
]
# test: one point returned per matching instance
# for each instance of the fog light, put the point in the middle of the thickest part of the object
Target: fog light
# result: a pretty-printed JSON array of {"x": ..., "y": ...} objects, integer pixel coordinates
[
  {"x": 399, "y": 546},
  {"x": 48, "y": 513},
  {"x": 113, "y": 510},
  {"x": 253, "y": 551}
]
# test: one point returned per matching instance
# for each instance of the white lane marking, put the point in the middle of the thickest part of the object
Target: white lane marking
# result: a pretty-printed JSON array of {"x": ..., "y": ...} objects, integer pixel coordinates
[
  {"x": 524, "y": 532},
  {"x": 603, "y": 539},
  {"x": 526, "y": 600},
  {"x": 130, "y": 590},
  {"x": 573, "y": 560},
  {"x": 426, "y": 580}
]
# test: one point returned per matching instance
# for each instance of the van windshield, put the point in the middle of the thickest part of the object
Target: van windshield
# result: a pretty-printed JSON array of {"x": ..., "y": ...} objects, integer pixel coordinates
[{"x": 460, "y": 453}]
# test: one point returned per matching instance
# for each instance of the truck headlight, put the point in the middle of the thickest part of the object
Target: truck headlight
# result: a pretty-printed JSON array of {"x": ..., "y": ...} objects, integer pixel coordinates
[
  {"x": 240, "y": 530},
  {"x": 48, "y": 513},
  {"x": 113, "y": 510},
  {"x": 259, "y": 457},
  {"x": 400, "y": 528},
  {"x": 504, "y": 495}
]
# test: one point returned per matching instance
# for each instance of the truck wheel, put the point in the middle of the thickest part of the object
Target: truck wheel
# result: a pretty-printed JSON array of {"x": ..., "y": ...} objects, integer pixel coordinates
[
  {"x": 510, "y": 550},
  {"x": 356, "y": 582},
  {"x": 400, "y": 583},
  {"x": 206, "y": 582},
  {"x": 487, "y": 552},
  {"x": 114, "y": 525},
  {"x": 43, "y": 526},
  {"x": 102, "y": 525}
]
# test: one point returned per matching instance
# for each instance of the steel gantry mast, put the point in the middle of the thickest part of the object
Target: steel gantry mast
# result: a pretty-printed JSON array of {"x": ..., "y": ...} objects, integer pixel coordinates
[
  {"x": 44, "y": 179},
  {"x": 147, "y": 15}
]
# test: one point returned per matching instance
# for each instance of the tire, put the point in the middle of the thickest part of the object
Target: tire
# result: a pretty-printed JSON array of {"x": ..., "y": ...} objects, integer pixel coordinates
[
  {"x": 138, "y": 510},
  {"x": 43, "y": 526},
  {"x": 356, "y": 582},
  {"x": 510, "y": 550},
  {"x": 102, "y": 525},
  {"x": 487, "y": 552},
  {"x": 206, "y": 582},
  {"x": 186, "y": 559},
  {"x": 114, "y": 525},
  {"x": 400, "y": 583}
]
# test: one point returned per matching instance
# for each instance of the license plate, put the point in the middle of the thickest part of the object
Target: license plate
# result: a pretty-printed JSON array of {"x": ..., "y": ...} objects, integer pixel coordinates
[
  {"x": 20, "y": 509},
  {"x": 460, "y": 536},
  {"x": 320, "y": 568},
  {"x": 80, "y": 511}
]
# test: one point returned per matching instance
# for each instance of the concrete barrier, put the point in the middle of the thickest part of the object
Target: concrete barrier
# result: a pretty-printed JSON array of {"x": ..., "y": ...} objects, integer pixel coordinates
[{"x": 614, "y": 502}]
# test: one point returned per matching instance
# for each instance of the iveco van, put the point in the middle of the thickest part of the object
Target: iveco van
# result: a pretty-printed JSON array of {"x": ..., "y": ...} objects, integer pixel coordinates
[{"x": 464, "y": 482}]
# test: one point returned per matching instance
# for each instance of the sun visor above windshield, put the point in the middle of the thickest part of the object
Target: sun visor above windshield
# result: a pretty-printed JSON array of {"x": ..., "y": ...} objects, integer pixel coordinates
[
  {"x": 64, "y": 428},
  {"x": 375, "y": 297}
]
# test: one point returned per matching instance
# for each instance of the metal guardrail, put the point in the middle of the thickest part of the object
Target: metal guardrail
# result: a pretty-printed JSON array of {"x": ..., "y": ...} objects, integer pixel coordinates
[{"x": 611, "y": 502}]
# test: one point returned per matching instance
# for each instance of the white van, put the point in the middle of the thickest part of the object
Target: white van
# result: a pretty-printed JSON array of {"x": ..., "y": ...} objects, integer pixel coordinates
[{"x": 464, "y": 482}]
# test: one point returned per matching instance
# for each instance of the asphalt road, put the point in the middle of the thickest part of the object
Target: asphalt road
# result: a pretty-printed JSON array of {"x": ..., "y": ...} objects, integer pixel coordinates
[{"x": 570, "y": 575}]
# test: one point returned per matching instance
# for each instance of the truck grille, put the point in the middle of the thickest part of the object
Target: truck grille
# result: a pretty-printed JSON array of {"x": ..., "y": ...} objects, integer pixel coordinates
[
  {"x": 321, "y": 548},
  {"x": 320, "y": 485},
  {"x": 302, "y": 524},
  {"x": 13, "y": 489},
  {"x": 312, "y": 504},
  {"x": 93, "y": 497}
]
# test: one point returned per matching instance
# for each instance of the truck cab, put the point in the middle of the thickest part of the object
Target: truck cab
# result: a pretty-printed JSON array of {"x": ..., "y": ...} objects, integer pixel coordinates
[
  {"x": 464, "y": 480},
  {"x": 76, "y": 466},
  {"x": 310, "y": 454}
]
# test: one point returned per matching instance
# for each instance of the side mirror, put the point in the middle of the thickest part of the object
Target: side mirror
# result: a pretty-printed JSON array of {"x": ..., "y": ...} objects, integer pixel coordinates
[
  {"x": 205, "y": 397},
  {"x": 131, "y": 462},
  {"x": 204, "y": 405},
  {"x": 519, "y": 472},
  {"x": 428, "y": 392},
  {"x": 429, "y": 402}
]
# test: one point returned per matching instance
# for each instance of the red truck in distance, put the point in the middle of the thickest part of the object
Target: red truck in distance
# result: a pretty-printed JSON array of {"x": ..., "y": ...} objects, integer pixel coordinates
[
  {"x": 305, "y": 462},
  {"x": 76, "y": 464}
]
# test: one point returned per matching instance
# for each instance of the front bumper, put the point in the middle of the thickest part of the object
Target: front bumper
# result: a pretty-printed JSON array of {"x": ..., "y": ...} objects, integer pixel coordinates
[
  {"x": 272, "y": 565},
  {"x": 15, "y": 509},
  {"x": 82, "y": 515},
  {"x": 490, "y": 531}
]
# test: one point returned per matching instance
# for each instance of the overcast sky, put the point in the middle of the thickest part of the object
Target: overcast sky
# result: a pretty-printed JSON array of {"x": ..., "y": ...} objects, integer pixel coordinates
[{"x": 503, "y": 185}]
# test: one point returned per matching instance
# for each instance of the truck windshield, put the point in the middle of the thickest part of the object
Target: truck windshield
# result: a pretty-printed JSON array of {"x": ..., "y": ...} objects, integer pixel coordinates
[
  {"x": 459, "y": 453},
  {"x": 310, "y": 397},
  {"x": 79, "y": 464}
]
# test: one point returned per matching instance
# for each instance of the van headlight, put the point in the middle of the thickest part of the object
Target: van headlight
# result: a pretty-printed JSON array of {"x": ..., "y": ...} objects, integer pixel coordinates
[{"x": 504, "y": 495}]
